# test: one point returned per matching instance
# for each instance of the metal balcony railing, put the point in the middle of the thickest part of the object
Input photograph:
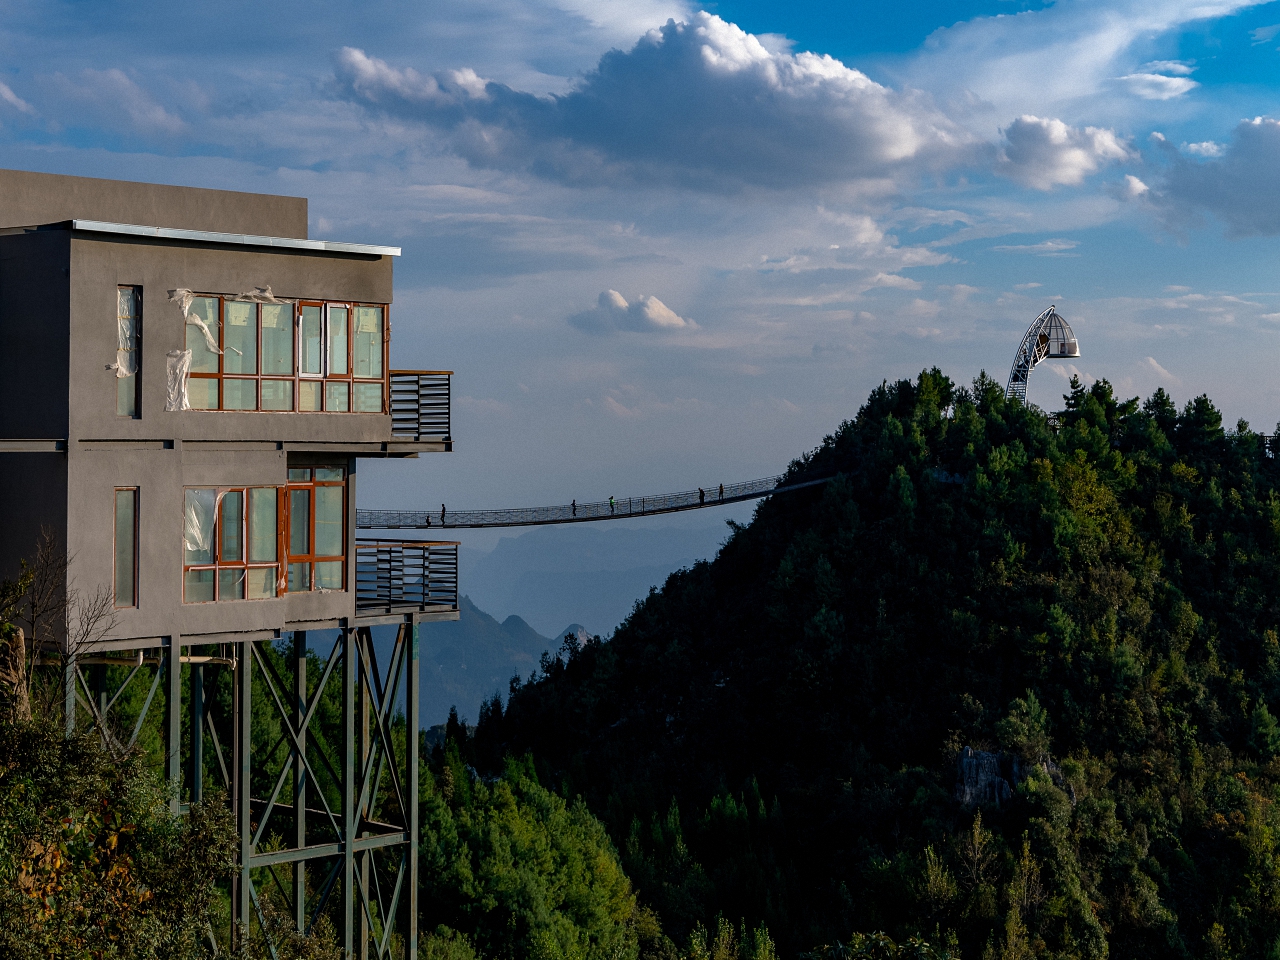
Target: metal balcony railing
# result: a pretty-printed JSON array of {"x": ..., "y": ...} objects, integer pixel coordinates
[
  {"x": 420, "y": 406},
  {"x": 393, "y": 576}
]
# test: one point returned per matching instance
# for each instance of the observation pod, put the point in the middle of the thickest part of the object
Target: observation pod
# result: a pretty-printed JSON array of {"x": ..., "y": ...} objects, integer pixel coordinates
[{"x": 1049, "y": 336}]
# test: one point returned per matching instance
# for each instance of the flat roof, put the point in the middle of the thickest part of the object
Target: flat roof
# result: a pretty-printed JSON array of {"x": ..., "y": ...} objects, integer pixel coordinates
[{"x": 233, "y": 239}]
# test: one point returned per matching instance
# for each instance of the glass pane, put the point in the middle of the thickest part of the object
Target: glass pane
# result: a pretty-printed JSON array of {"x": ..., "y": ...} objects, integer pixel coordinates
[
  {"x": 261, "y": 582},
  {"x": 127, "y": 396},
  {"x": 330, "y": 473},
  {"x": 366, "y": 347},
  {"x": 329, "y": 575},
  {"x": 299, "y": 577},
  {"x": 336, "y": 396},
  {"x": 309, "y": 341},
  {"x": 309, "y": 395},
  {"x": 338, "y": 341},
  {"x": 277, "y": 394},
  {"x": 198, "y": 586},
  {"x": 197, "y": 526},
  {"x": 240, "y": 340},
  {"x": 329, "y": 522},
  {"x": 299, "y": 473},
  {"x": 262, "y": 525},
  {"x": 203, "y": 360},
  {"x": 126, "y": 546},
  {"x": 369, "y": 397},
  {"x": 299, "y": 523},
  {"x": 277, "y": 339},
  {"x": 231, "y": 584},
  {"x": 239, "y": 394},
  {"x": 202, "y": 393},
  {"x": 232, "y": 547}
]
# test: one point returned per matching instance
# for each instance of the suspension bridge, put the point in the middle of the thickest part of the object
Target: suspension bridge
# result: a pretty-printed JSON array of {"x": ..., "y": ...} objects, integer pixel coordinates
[{"x": 615, "y": 508}]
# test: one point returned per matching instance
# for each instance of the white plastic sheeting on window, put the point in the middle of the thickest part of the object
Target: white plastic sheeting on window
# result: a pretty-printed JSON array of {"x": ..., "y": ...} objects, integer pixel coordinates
[
  {"x": 258, "y": 295},
  {"x": 126, "y": 364},
  {"x": 199, "y": 519},
  {"x": 183, "y": 299},
  {"x": 177, "y": 370},
  {"x": 199, "y": 514}
]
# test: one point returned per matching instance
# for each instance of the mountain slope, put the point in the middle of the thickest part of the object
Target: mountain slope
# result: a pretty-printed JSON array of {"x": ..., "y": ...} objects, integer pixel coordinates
[
  {"x": 468, "y": 660},
  {"x": 775, "y": 735}
]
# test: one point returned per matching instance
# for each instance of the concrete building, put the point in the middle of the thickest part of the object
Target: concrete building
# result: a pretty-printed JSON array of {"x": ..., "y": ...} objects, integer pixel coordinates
[{"x": 192, "y": 384}]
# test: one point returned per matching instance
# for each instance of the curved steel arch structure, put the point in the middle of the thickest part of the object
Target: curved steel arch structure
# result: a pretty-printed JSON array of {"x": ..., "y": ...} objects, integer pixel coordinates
[{"x": 1048, "y": 336}]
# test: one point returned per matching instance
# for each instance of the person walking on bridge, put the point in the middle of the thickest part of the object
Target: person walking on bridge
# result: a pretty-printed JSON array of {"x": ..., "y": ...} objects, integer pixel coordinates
[
  {"x": 722, "y": 491},
  {"x": 574, "y": 506},
  {"x": 702, "y": 496},
  {"x": 611, "y": 503},
  {"x": 442, "y": 514}
]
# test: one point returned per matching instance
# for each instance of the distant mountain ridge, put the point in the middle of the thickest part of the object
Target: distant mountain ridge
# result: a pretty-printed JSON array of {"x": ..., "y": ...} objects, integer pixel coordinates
[{"x": 466, "y": 661}]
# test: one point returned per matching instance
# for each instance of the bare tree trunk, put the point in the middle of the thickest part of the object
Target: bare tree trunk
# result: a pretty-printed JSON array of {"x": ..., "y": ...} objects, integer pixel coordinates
[{"x": 13, "y": 674}]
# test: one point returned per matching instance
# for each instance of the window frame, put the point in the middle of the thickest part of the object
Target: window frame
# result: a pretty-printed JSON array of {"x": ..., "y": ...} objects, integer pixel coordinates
[
  {"x": 244, "y": 563},
  {"x": 136, "y": 376},
  {"x": 298, "y": 378},
  {"x": 115, "y": 545},
  {"x": 312, "y": 558}
]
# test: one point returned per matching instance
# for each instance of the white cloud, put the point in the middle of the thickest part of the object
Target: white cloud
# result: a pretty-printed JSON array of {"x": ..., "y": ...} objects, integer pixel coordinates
[
  {"x": 1155, "y": 86},
  {"x": 111, "y": 99},
  {"x": 1180, "y": 68},
  {"x": 1049, "y": 248},
  {"x": 1206, "y": 148},
  {"x": 701, "y": 104},
  {"x": 1044, "y": 153},
  {"x": 1027, "y": 286},
  {"x": 612, "y": 312},
  {"x": 1061, "y": 59},
  {"x": 1264, "y": 34},
  {"x": 12, "y": 99},
  {"x": 1133, "y": 187},
  {"x": 1164, "y": 374}
]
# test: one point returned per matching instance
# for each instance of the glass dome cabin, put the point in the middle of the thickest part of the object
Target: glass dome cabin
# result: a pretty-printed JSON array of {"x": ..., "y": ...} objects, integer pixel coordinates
[{"x": 1048, "y": 337}]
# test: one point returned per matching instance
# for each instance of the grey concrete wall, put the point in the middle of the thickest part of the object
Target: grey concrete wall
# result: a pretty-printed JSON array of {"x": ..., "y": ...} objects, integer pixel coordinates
[
  {"x": 99, "y": 264},
  {"x": 33, "y": 331},
  {"x": 27, "y": 199},
  {"x": 33, "y": 496},
  {"x": 161, "y": 476}
]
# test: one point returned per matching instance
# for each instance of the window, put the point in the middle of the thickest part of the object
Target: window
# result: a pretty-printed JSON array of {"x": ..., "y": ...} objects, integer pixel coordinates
[
  {"x": 231, "y": 544},
  {"x": 128, "y": 353},
  {"x": 126, "y": 539},
  {"x": 317, "y": 357},
  {"x": 317, "y": 525}
]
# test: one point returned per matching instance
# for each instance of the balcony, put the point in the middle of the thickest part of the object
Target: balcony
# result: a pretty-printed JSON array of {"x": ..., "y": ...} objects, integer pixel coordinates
[
  {"x": 412, "y": 576},
  {"x": 420, "y": 401}
]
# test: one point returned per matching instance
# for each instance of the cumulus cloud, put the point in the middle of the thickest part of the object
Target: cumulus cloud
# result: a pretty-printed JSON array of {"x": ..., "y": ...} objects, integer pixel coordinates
[
  {"x": 701, "y": 103},
  {"x": 1239, "y": 187},
  {"x": 644, "y": 314},
  {"x": 1206, "y": 148},
  {"x": 1044, "y": 153}
]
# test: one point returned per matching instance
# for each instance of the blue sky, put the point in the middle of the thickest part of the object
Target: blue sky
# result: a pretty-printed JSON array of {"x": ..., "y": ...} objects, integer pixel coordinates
[{"x": 664, "y": 245}]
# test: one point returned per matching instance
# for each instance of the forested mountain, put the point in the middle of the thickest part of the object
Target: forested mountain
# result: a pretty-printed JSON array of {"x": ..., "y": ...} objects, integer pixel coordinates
[{"x": 1091, "y": 607}]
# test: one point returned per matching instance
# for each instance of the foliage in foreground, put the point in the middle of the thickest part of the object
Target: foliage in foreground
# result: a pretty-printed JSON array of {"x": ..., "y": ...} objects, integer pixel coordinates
[
  {"x": 510, "y": 870},
  {"x": 92, "y": 864},
  {"x": 774, "y": 734}
]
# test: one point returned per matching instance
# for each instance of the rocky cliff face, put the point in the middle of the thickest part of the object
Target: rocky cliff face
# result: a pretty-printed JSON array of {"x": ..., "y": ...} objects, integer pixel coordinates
[{"x": 990, "y": 777}]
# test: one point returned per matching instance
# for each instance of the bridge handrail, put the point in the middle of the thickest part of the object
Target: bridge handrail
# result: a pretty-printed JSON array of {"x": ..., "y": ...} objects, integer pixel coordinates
[{"x": 619, "y": 507}]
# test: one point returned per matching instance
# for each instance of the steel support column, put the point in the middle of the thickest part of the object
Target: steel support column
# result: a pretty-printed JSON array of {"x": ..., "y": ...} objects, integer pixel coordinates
[
  {"x": 244, "y": 768},
  {"x": 197, "y": 731},
  {"x": 300, "y": 777},
  {"x": 411, "y": 776},
  {"x": 173, "y": 722},
  {"x": 350, "y": 820}
]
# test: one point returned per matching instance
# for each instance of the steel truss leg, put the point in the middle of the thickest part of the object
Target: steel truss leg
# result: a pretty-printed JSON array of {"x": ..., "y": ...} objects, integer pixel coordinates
[{"x": 173, "y": 722}]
